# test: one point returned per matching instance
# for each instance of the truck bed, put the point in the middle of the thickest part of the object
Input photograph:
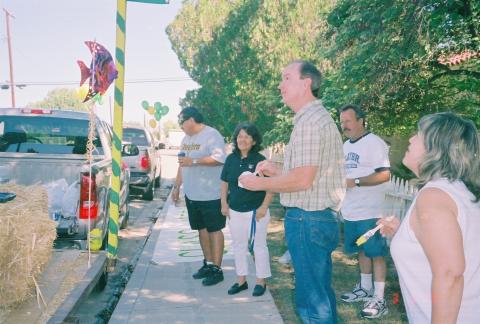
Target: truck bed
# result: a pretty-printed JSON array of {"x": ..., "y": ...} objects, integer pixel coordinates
[{"x": 27, "y": 169}]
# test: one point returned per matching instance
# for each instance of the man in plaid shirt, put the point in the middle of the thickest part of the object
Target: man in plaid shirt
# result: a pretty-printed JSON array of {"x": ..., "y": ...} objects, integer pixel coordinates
[{"x": 312, "y": 187}]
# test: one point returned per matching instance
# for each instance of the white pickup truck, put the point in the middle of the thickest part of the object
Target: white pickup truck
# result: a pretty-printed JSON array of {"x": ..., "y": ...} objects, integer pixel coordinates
[{"x": 45, "y": 146}]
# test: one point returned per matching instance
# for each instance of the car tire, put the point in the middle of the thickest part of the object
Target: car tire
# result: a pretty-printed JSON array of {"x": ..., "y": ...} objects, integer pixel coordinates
[
  {"x": 149, "y": 194},
  {"x": 157, "y": 182}
]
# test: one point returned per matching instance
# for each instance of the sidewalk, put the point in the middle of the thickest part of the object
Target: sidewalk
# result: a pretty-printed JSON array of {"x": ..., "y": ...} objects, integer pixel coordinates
[{"x": 162, "y": 290}]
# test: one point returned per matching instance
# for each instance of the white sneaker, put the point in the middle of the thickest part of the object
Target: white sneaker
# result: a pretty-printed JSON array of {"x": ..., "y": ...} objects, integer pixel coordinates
[
  {"x": 357, "y": 294},
  {"x": 285, "y": 258},
  {"x": 374, "y": 308}
]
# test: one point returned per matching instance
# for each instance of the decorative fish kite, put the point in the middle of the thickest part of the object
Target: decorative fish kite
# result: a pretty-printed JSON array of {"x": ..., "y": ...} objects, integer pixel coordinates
[{"x": 102, "y": 70}]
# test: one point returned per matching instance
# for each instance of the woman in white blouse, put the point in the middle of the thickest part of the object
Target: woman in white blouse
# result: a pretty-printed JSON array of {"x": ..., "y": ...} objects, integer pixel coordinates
[{"x": 436, "y": 248}]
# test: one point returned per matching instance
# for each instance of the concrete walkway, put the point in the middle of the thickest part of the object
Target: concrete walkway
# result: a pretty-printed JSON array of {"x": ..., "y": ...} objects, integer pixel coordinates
[{"x": 162, "y": 290}]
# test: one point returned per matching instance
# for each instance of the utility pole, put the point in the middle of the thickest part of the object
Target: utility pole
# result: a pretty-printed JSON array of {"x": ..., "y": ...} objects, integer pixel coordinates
[{"x": 10, "y": 57}]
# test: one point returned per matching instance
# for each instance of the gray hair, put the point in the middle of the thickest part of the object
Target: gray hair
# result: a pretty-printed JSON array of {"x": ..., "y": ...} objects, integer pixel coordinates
[{"x": 452, "y": 150}]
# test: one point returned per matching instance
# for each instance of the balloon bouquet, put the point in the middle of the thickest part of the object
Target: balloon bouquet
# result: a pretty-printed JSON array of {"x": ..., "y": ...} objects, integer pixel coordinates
[
  {"x": 101, "y": 74},
  {"x": 157, "y": 111}
]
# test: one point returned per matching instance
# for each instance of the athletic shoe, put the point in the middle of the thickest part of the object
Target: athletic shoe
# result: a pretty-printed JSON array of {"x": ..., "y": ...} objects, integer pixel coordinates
[
  {"x": 285, "y": 258},
  {"x": 357, "y": 294},
  {"x": 374, "y": 308},
  {"x": 215, "y": 276},
  {"x": 203, "y": 272}
]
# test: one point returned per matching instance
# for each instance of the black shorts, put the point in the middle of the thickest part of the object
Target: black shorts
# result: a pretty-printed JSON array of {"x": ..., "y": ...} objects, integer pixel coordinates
[{"x": 205, "y": 214}]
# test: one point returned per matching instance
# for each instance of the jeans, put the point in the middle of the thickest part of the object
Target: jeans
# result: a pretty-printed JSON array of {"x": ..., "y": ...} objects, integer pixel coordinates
[{"x": 311, "y": 237}]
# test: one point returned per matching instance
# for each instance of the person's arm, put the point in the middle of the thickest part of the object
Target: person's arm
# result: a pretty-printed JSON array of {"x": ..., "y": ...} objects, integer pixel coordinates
[
  {"x": 376, "y": 178},
  {"x": 176, "y": 186},
  {"x": 205, "y": 161},
  {"x": 308, "y": 148},
  {"x": 296, "y": 179},
  {"x": 268, "y": 168},
  {"x": 436, "y": 227},
  {"x": 262, "y": 210},
  {"x": 223, "y": 198},
  {"x": 216, "y": 149}
]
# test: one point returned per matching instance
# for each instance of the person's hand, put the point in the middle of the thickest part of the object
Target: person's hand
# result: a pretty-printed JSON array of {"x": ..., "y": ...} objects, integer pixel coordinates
[
  {"x": 267, "y": 168},
  {"x": 225, "y": 210},
  {"x": 185, "y": 161},
  {"x": 390, "y": 226},
  {"x": 261, "y": 212},
  {"x": 251, "y": 182},
  {"x": 175, "y": 194}
]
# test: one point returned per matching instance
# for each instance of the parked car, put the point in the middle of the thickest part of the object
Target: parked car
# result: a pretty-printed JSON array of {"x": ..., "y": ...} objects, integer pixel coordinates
[
  {"x": 145, "y": 168},
  {"x": 48, "y": 146}
]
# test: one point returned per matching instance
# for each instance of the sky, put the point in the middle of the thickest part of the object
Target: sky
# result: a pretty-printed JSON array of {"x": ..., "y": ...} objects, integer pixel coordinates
[{"x": 48, "y": 38}]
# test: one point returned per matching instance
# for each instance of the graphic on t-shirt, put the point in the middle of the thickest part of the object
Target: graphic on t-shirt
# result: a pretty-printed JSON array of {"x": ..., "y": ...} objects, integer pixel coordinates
[
  {"x": 191, "y": 147},
  {"x": 354, "y": 157}
]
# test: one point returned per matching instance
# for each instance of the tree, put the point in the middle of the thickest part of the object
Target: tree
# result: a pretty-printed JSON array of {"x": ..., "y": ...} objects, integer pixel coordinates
[
  {"x": 236, "y": 50},
  {"x": 384, "y": 55},
  {"x": 61, "y": 98}
]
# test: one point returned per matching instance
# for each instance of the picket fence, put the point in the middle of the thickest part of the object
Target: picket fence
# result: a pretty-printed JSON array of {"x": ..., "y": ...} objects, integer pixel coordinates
[{"x": 399, "y": 197}]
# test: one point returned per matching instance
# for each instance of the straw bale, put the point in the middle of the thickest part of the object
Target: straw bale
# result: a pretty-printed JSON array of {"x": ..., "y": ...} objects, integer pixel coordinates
[{"x": 26, "y": 240}]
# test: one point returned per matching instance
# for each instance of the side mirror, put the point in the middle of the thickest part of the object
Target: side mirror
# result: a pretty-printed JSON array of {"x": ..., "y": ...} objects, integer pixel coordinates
[
  {"x": 129, "y": 150},
  {"x": 161, "y": 146}
]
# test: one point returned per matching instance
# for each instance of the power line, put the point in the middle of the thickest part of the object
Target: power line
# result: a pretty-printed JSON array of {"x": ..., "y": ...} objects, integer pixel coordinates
[{"x": 137, "y": 81}]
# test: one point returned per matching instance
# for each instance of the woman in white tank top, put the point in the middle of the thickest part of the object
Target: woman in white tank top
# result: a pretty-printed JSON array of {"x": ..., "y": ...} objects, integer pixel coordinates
[{"x": 435, "y": 249}]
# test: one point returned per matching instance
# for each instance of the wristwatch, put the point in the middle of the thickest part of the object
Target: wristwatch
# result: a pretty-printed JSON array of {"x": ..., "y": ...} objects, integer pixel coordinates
[
  {"x": 357, "y": 182},
  {"x": 194, "y": 161}
]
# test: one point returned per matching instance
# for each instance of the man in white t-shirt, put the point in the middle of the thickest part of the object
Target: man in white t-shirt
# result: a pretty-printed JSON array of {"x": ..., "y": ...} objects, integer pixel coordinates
[
  {"x": 200, "y": 167},
  {"x": 368, "y": 172}
]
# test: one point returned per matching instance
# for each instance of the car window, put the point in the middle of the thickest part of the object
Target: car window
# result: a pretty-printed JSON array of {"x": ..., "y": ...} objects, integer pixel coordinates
[
  {"x": 45, "y": 135},
  {"x": 135, "y": 136}
]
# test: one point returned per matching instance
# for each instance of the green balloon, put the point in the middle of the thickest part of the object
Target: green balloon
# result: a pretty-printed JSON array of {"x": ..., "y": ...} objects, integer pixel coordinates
[
  {"x": 164, "y": 110},
  {"x": 145, "y": 104},
  {"x": 158, "y": 116},
  {"x": 157, "y": 106}
]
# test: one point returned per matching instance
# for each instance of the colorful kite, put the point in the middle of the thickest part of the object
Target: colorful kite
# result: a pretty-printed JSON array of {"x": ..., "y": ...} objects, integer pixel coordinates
[{"x": 102, "y": 70}]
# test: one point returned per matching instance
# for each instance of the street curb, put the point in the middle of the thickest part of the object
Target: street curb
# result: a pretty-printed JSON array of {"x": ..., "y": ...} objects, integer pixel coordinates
[
  {"x": 81, "y": 290},
  {"x": 135, "y": 283}
]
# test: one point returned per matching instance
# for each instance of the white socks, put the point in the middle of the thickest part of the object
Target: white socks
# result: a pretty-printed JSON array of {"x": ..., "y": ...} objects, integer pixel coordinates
[
  {"x": 366, "y": 281},
  {"x": 379, "y": 289}
]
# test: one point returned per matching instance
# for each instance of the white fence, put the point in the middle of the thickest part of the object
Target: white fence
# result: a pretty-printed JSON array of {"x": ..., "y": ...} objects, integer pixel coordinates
[{"x": 399, "y": 197}]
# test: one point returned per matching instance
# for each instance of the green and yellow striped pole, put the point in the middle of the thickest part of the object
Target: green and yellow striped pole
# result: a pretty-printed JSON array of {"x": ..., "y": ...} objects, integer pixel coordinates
[
  {"x": 117, "y": 136},
  {"x": 118, "y": 130}
]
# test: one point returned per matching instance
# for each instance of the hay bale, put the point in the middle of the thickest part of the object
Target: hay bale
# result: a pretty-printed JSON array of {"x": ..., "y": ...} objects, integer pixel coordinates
[{"x": 26, "y": 240}]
